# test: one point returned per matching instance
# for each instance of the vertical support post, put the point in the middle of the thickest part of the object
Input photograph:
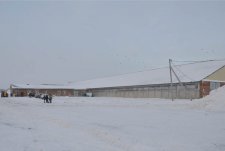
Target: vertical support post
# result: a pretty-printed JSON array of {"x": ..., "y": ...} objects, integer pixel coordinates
[{"x": 171, "y": 79}]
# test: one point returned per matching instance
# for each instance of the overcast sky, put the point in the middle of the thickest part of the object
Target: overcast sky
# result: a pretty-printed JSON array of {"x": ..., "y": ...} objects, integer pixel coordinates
[{"x": 58, "y": 42}]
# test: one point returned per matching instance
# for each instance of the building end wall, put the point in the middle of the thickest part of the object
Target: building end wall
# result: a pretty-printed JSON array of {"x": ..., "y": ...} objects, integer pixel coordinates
[{"x": 218, "y": 75}]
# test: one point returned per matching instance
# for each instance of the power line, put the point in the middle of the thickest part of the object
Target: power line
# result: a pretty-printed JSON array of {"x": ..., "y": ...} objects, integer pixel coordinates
[
  {"x": 162, "y": 67},
  {"x": 199, "y": 61},
  {"x": 181, "y": 72},
  {"x": 193, "y": 62}
]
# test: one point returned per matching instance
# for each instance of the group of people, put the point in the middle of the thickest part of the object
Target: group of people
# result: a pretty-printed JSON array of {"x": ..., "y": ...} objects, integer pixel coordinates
[{"x": 47, "y": 98}]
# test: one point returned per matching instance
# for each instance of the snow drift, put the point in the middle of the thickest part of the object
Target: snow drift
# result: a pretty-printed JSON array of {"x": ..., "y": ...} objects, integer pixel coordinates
[
  {"x": 113, "y": 124},
  {"x": 215, "y": 101}
]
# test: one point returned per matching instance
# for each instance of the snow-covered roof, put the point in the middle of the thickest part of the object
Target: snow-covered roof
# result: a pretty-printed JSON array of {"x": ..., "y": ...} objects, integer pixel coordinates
[
  {"x": 187, "y": 73},
  {"x": 40, "y": 86}
]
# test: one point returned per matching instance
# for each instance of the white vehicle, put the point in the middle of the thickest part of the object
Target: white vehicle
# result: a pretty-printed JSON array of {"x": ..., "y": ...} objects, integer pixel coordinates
[{"x": 89, "y": 94}]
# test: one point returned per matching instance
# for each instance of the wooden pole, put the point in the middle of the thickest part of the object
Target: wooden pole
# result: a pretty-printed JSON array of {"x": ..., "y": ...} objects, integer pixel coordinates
[{"x": 171, "y": 79}]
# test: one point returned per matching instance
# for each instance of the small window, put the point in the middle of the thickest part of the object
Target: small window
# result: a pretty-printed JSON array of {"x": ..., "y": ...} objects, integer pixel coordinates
[{"x": 214, "y": 85}]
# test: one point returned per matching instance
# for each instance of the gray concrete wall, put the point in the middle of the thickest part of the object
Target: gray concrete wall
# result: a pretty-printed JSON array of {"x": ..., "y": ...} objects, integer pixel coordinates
[{"x": 188, "y": 91}]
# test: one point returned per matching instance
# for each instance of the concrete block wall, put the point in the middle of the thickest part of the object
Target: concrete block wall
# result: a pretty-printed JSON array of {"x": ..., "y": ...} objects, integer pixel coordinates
[{"x": 189, "y": 91}]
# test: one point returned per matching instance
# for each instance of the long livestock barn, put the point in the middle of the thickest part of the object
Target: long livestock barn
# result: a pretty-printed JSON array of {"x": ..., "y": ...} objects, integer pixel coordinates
[
  {"x": 189, "y": 81},
  {"x": 56, "y": 90}
]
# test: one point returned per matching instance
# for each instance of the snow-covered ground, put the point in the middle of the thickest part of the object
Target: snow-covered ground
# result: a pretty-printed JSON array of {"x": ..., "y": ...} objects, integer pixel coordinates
[{"x": 113, "y": 124}]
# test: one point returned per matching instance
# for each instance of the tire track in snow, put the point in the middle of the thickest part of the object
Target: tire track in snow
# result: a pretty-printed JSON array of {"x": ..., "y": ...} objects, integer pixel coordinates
[{"x": 117, "y": 142}]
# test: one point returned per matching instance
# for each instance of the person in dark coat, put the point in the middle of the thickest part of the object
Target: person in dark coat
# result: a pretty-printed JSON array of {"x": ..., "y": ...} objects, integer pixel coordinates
[{"x": 46, "y": 97}]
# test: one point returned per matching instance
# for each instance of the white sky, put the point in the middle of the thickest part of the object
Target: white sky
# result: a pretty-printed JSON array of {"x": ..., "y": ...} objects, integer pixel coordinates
[{"x": 57, "y": 42}]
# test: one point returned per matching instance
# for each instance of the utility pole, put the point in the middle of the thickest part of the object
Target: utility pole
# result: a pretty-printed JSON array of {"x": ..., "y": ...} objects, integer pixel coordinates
[{"x": 171, "y": 79}]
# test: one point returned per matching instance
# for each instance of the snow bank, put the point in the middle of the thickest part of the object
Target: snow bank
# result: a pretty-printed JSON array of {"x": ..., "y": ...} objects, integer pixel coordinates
[
  {"x": 216, "y": 100},
  {"x": 112, "y": 124}
]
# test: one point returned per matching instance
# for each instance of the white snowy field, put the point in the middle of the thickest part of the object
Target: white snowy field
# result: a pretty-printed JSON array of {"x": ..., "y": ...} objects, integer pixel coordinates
[{"x": 113, "y": 124}]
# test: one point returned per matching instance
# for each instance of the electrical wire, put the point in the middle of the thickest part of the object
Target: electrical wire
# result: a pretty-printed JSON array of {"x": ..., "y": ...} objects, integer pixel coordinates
[
  {"x": 199, "y": 61},
  {"x": 181, "y": 72}
]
